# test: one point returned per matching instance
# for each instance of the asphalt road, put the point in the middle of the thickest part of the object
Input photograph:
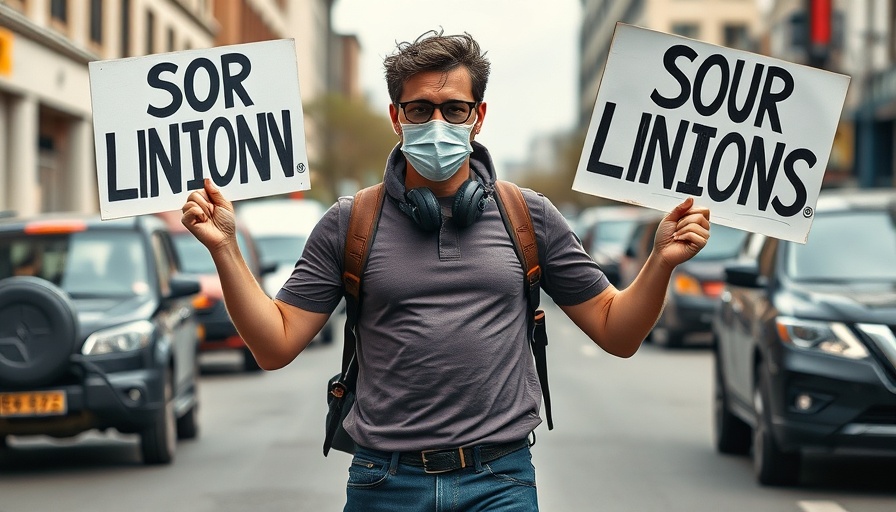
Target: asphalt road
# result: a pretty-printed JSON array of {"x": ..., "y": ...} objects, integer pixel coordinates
[{"x": 630, "y": 435}]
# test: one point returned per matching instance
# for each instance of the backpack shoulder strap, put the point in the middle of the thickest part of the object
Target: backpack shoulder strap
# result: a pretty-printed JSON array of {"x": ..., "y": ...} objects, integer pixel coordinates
[
  {"x": 366, "y": 208},
  {"x": 518, "y": 221},
  {"x": 363, "y": 219}
]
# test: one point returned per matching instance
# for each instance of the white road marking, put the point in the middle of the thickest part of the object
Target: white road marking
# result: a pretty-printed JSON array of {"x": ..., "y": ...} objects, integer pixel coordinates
[{"x": 820, "y": 506}]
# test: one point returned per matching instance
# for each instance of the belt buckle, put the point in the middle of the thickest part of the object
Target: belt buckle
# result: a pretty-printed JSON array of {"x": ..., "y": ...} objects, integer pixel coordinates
[{"x": 460, "y": 451}]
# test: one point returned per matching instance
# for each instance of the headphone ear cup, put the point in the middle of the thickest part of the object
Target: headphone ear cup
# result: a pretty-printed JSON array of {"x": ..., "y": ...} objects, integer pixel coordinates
[
  {"x": 424, "y": 208},
  {"x": 469, "y": 202}
]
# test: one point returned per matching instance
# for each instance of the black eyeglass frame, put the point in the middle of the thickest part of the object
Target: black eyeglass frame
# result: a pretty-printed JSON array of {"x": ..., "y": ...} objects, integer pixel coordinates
[{"x": 440, "y": 106}]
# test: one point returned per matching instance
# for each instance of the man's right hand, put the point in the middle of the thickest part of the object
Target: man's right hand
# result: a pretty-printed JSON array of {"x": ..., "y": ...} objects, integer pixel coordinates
[{"x": 210, "y": 217}]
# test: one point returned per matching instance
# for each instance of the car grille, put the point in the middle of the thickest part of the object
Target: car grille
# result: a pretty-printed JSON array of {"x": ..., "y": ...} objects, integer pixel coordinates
[{"x": 879, "y": 415}]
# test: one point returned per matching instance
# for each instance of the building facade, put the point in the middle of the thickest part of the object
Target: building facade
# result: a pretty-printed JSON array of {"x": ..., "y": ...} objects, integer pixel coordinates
[
  {"x": 730, "y": 23},
  {"x": 46, "y": 136},
  {"x": 47, "y": 160}
]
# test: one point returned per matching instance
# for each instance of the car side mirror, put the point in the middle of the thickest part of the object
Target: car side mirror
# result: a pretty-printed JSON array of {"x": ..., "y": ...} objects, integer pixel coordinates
[
  {"x": 744, "y": 274},
  {"x": 182, "y": 286}
]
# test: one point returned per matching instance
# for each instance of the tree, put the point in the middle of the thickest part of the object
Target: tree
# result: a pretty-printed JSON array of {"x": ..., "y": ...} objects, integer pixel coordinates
[
  {"x": 556, "y": 183},
  {"x": 351, "y": 144}
]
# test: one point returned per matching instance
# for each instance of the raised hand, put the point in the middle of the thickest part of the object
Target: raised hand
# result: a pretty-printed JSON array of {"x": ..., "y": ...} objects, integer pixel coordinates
[
  {"x": 682, "y": 233},
  {"x": 210, "y": 216}
]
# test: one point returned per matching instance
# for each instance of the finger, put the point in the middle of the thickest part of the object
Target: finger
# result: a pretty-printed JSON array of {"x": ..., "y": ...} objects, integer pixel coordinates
[
  {"x": 698, "y": 216},
  {"x": 214, "y": 194},
  {"x": 192, "y": 214},
  {"x": 693, "y": 239},
  {"x": 679, "y": 211},
  {"x": 200, "y": 200}
]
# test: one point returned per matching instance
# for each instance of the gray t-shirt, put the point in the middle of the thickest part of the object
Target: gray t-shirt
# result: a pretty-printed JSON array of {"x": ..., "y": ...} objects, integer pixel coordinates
[{"x": 444, "y": 357}]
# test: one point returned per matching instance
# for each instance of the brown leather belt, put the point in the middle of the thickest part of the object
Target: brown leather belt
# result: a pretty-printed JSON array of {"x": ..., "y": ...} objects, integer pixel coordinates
[{"x": 442, "y": 461}]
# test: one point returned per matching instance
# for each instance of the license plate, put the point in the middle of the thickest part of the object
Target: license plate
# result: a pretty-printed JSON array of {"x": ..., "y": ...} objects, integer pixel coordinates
[{"x": 35, "y": 403}]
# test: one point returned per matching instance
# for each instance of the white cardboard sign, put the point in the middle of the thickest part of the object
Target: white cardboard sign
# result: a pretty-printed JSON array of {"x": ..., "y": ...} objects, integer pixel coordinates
[
  {"x": 746, "y": 135},
  {"x": 164, "y": 122}
]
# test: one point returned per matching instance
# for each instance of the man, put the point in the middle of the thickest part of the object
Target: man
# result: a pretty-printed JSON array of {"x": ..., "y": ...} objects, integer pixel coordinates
[{"x": 443, "y": 353}]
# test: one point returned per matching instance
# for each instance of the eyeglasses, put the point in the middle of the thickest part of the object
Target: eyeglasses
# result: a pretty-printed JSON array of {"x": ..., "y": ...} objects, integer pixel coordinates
[{"x": 455, "y": 111}]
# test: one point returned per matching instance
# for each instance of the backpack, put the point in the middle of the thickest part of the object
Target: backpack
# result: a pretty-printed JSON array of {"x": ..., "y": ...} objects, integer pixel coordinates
[{"x": 363, "y": 219}]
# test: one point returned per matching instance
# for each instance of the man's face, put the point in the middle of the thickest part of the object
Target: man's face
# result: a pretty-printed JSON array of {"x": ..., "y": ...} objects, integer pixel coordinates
[{"x": 438, "y": 87}]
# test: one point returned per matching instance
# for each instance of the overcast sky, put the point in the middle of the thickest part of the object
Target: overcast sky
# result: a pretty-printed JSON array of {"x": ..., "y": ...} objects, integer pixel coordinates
[{"x": 532, "y": 45}]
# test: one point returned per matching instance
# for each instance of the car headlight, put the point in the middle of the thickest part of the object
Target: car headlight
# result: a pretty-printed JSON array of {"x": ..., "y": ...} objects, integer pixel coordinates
[
  {"x": 832, "y": 338},
  {"x": 123, "y": 338}
]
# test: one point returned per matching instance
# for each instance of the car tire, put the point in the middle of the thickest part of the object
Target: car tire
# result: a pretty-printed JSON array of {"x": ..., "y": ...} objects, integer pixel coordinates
[
  {"x": 38, "y": 329},
  {"x": 730, "y": 434},
  {"x": 159, "y": 441},
  {"x": 326, "y": 334},
  {"x": 666, "y": 337},
  {"x": 771, "y": 465},
  {"x": 249, "y": 363},
  {"x": 188, "y": 424}
]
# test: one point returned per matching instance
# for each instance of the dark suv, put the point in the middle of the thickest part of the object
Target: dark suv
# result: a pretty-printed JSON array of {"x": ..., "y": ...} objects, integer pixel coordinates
[
  {"x": 97, "y": 331},
  {"x": 805, "y": 340}
]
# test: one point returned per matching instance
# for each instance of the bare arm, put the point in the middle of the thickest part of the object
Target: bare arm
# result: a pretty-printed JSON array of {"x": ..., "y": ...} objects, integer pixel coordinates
[
  {"x": 619, "y": 320},
  {"x": 274, "y": 331}
]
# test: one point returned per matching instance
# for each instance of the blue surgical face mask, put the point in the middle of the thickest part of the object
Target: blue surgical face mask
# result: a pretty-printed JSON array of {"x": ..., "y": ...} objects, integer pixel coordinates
[{"x": 436, "y": 148}]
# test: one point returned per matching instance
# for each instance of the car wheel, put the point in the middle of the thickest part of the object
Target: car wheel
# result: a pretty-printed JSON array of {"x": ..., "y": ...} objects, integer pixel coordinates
[
  {"x": 38, "y": 330},
  {"x": 771, "y": 465},
  {"x": 188, "y": 424},
  {"x": 249, "y": 362},
  {"x": 326, "y": 334},
  {"x": 667, "y": 337},
  {"x": 730, "y": 434},
  {"x": 159, "y": 441}
]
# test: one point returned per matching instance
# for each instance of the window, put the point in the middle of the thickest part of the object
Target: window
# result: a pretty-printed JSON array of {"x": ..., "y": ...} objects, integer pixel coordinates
[
  {"x": 59, "y": 10},
  {"x": 125, "y": 28},
  {"x": 96, "y": 21},
  {"x": 691, "y": 30},
  {"x": 736, "y": 36},
  {"x": 150, "y": 32}
]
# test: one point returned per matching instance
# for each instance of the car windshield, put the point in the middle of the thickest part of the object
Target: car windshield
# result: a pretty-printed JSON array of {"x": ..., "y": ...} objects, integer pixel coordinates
[
  {"x": 613, "y": 232},
  {"x": 724, "y": 243},
  {"x": 280, "y": 249},
  {"x": 830, "y": 254},
  {"x": 194, "y": 258},
  {"x": 86, "y": 263}
]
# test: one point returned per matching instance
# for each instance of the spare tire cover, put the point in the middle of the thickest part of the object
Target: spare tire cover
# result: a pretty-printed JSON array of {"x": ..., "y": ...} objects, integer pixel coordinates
[{"x": 38, "y": 330}]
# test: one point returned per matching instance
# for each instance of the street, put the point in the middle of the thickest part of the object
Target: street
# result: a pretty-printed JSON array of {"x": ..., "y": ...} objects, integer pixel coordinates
[{"x": 630, "y": 435}]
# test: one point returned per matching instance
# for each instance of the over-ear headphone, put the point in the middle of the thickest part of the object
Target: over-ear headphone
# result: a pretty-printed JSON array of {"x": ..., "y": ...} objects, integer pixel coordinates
[{"x": 423, "y": 206}]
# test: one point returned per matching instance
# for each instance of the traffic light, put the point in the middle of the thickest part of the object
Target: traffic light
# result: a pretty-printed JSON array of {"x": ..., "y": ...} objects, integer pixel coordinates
[{"x": 820, "y": 31}]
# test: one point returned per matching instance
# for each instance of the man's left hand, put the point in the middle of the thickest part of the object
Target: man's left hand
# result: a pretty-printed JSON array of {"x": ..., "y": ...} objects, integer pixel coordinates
[{"x": 682, "y": 233}]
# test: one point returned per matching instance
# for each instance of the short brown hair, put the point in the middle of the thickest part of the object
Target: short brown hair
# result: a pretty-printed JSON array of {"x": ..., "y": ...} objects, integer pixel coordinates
[{"x": 433, "y": 51}]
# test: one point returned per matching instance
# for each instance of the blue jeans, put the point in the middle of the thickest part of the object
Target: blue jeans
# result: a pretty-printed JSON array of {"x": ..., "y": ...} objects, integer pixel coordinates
[{"x": 377, "y": 482}]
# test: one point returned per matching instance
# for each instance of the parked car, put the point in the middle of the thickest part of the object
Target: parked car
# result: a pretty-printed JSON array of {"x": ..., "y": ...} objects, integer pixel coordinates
[
  {"x": 195, "y": 260},
  {"x": 805, "y": 350},
  {"x": 604, "y": 231},
  {"x": 694, "y": 290},
  {"x": 97, "y": 331},
  {"x": 694, "y": 286},
  {"x": 637, "y": 246},
  {"x": 280, "y": 228}
]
